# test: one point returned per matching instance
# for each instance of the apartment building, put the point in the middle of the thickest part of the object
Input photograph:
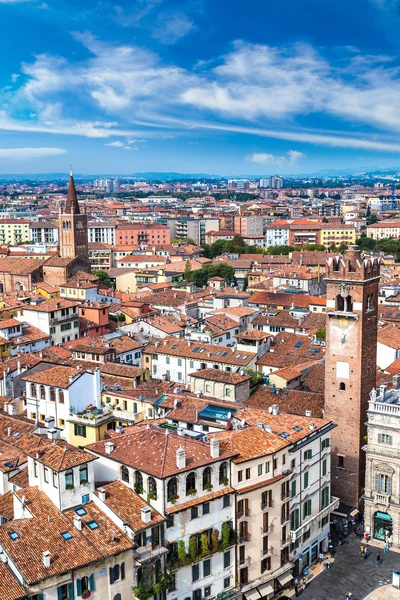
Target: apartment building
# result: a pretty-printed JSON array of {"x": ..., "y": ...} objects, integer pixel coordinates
[
  {"x": 337, "y": 235},
  {"x": 384, "y": 229},
  {"x": 382, "y": 482},
  {"x": 43, "y": 232},
  {"x": 249, "y": 225},
  {"x": 281, "y": 475},
  {"x": 56, "y": 317},
  {"x": 189, "y": 485},
  {"x": 14, "y": 231},
  {"x": 58, "y": 392},
  {"x": 174, "y": 359},
  {"x": 101, "y": 232},
  {"x": 277, "y": 233},
  {"x": 142, "y": 234}
]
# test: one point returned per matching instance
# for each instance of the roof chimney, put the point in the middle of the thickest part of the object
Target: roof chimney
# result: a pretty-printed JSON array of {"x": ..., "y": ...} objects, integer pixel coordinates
[
  {"x": 312, "y": 425},
  {"x": 46, "y": 559},
  {"x": 53, "y": 434},
  {"x": 109, "y": 447},
  {"x": 181, "y": 457},
  {"x": 308, "y": 413},
  {"x": 78, "y": 522},
  {"x": 145, "y": 512},
  {"x": 214, "y": 447},
  {"x": 102, "y": 494},
  {"x": 9, "y": 431},
  {"x": 275, "y": 410}
]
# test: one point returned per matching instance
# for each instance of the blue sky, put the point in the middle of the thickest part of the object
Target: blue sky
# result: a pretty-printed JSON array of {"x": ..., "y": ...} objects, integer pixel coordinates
[{"x": 217, "y": 86}]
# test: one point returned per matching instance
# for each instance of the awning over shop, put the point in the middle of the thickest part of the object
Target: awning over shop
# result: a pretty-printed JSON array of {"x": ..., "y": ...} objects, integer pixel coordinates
[
  {"x": 265, "y": 589},
  {"x": 253, "y": 594},
  {"x": 285, "y": 578}
]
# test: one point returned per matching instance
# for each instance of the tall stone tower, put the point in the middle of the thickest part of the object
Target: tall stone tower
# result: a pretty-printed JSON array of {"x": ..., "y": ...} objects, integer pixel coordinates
[
  {"x": 73, "y": 227},
  {"x": 350, "y": 364}
]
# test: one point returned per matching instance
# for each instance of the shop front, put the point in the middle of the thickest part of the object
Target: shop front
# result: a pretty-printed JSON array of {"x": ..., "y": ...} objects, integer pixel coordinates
[{"x": 383, "y": 527}]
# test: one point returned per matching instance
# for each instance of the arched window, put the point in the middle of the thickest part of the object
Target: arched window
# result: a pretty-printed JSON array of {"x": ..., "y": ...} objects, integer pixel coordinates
[
  {"x": 69, "y": 479},
  {"x": 207, "y": 478},
  {"x": 61, "y": 397},
  {"x": 33, "y": 390},
  {"x": 117, "y": 597},
  {"x": 223, "y": 473},
  {"x": 172, "y": 488},
  {"x": 138, "y": 485},
  {"x": 42, "y": 392},
  {"x": 85, "y": 584},
  {"x": 152, "y": 488},
  {"x": 125, "y": 474},
  {"x": 349, "y": 304},
  {"x": 339, "y": 302},
  {"x": 190, "y": 483},
  {"x": 52, "y": 394},
  {"x": 342, "y": 386}
]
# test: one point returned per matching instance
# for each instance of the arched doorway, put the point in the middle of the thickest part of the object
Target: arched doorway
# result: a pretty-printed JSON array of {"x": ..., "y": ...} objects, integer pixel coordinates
[{"x": 382, "y": 525}]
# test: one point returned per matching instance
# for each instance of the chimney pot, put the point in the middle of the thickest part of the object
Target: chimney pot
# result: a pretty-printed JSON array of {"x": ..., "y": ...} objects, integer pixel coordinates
[
  {"x": 214, "y": 447},
  {"x": 308, "y": 413},
  {"x": 109, "y": 447},
  {"x": 146, "y": 514},
  {"x": 102, "y": 494},
  {"x": 181, "y": 457},
  {"x": 78, "y": 522},
  {"x": 46, "y": 559}
]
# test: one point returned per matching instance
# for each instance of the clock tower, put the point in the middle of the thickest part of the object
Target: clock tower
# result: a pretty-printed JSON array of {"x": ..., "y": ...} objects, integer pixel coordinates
[
  {"x": 350, "y": 364},
  {"x": 73, "y": 227}
]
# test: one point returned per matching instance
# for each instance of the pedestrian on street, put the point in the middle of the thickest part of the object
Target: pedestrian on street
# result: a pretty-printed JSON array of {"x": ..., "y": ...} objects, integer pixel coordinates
[
  {"x": 328, "y": 564},
  {"x": 385, "y": 547},
  {"x": 296, "y": 587},
  {"x": 378, "y": 560},
  {"x": 365, "y": 552},
  {"x": 321, "y": 557},
  {"x": 340, "y": 540},
  {"x": 304, "y": 581},
  {"x": 362, "y": 549}
]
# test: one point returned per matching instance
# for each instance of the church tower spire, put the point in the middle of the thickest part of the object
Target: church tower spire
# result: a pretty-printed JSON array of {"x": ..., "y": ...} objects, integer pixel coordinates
[{"x": 73, "y": 228}]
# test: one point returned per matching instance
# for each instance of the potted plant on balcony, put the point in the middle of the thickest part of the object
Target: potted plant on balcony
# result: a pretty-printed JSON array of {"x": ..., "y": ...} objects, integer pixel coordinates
[
  {"x": 86, "y": 594},
  {"x": 138, "y": 488},
  {"x": 173, "y": 498},
  {"x": 193, "y": 550},
  {"x": 205, "y": 546},
  {"x": 224, "y": 481},
  {"x": 207, "y": 487},
  {"x": 151, "y": 496},
  {"x": 181, "y": 551},
  {"x": 191, "y": 492},
  {"x": 215, "y": 540}
]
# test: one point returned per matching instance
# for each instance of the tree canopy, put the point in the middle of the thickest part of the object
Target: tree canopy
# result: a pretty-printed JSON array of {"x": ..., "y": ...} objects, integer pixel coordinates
[{"x": 201, "y": 276}]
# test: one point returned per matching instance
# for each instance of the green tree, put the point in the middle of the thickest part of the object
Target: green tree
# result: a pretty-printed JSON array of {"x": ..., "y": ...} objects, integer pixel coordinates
[
  {"x": 238, "y": 241},
  {"x": 205, "y": 547},
  {"x": 104, "y": 278},
  {"x": 181, "y": 551},
  {"x": 193, "y": 546},
  {"x": 321, "y": 334},
  {"x": 201, "y": 276},
  {"x": 188, "y": 270}
]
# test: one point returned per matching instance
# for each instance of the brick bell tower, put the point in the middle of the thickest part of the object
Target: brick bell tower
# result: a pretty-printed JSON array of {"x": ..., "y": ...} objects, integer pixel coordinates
[
  {"x": 350, "y": 364},
  {"x": 73, "y": 227}
]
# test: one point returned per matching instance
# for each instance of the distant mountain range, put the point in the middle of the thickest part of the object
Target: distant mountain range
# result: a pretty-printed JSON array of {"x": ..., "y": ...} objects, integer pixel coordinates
[{"x": 171, "y": 176}]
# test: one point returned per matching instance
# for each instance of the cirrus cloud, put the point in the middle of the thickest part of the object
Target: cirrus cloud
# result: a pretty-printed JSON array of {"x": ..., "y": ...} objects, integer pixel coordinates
[
  {"x": 29, "y": 153},
  {"x": 263, "y": 158}
]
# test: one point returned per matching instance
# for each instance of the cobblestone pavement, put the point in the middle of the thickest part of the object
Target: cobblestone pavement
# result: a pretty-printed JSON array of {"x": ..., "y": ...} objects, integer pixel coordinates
[
  {"x": 386, "y": 592},
  {"x": 352, "y": 573}
]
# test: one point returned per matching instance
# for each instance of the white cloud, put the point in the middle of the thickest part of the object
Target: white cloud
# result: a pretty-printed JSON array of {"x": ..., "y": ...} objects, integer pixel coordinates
[
  {"x": 14, "y": 77},
  {"x": 116, "y": 144},
  {"x": 128, "y": 148},
  {"x": 13, "y": 1},
  {"x": 172, "y": 26},
  {"x": 29, "y": 153},
  {"x": 262, "y": 158}
]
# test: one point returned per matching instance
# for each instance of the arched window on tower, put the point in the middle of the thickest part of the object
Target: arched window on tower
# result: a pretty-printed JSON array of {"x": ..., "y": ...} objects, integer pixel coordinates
[
  {"x": 349, "y": 304},
  {"x": 339, "y": 302},
  {"x": 342, "y": 386}
]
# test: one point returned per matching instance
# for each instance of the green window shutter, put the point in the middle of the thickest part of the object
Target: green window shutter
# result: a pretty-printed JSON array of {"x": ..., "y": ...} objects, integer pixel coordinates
[
  {"x": 91, "y": 583},
  {"x": 79, "y": 587},
  {"x": 293, "y": 489},
  {"x": 59, "y": 593},
  {"x": 71, "y": 594},
  {"x": 111, "y": 572},
  {"x": 84, "y": 431},
  {"x": 40, "y": 596},
  {"x": 323, "y": 468},
  {"x": 75, "y": 429},
  {"x": 305, "y": 480}
]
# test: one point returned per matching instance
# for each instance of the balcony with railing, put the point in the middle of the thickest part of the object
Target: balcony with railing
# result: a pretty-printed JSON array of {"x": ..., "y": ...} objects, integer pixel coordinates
[
  {"x": 149, "y": 551},
  {"x": 265, "y": 529},
  {"x": 244, "y": 537},
  {"x": 63, "y": 318},
  {"x": 244, "y": 560},
  {"x": 325, "y": 512},
  {"x": 382, "y": 498}
]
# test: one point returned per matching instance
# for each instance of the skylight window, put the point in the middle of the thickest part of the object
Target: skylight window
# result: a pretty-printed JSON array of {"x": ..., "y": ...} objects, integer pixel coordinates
[
  {"x": 80, "y": 511},
  {"x": 284, "y": 435},
  {"x": 13, "y": 535},
  {"x": 67, "y": 535},
  {"x": 238, "y": 355},
  {"x": 9, "y": 465},
  {"x": 224, "y": 354},
  {"x": 174, "y": 346},
  {"x": 244, "y": 356},
  {"x": 298, "y": 344},
  {"x": 218, "y": 353},
  {"x": 16, "y": 434},
  {"x": 196, "y": 349},
  {"x": 93, "y": 525},
  {"x": 202, "y": 350},
  {"x": 297, "y": 428}
]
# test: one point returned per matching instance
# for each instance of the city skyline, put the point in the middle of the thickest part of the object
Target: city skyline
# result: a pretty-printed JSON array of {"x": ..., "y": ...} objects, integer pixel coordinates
[{"x": 159, "y": 85}]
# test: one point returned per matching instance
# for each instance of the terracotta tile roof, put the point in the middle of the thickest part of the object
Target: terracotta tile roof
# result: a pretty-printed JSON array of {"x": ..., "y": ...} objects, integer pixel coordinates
[
  {"x": 314, "y": 380},
  {"x": 294, "y": 402},
  {"x": 281, "y": 319},
  {"x": 6, "y": 323},
  {"x": 153, "y": 451},
  {"x": 220, "y": 376},
  {"x": 205, "y": 352},
  {"x": 194, "y": 501},
  {"x": 124, "y": 344},
  {"x": 57, "y": 261},
  {"x": 20, "y": 266},
  {"x": 127, "y": 505},
  {"x": 7, "y": 505},
  {"x": 220, "y": 323},
  {"x": 389, "y": 336},
  {"x": 394, "y": 368},
  {"x": 295, "y": 345},
  {"x": 29, "y": 334},
  {"x": 167, "y": 324},
  {"x": 189, "y": 406},
  {"x": 294, "y": 372},
  {"x": 60, "y": 377},
  {"x": 62, "y": 456},
  {"x": 42, "y": 532},
  {"x": 297, "y": 300},
  {"x": 313, "y": 322},
  {"x": 237, "y": 311},
  {"x": 52, "y": 305},
  {"x": 21, "y": 479},
  {"x": 10, "y": 588},
  {"x": 253, "y": 334},
  {"x": 251, "y": 442}
]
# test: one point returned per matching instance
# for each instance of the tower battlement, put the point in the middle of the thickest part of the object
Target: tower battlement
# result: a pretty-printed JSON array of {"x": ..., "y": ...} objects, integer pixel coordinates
[{"x": 353, "y": 266}]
